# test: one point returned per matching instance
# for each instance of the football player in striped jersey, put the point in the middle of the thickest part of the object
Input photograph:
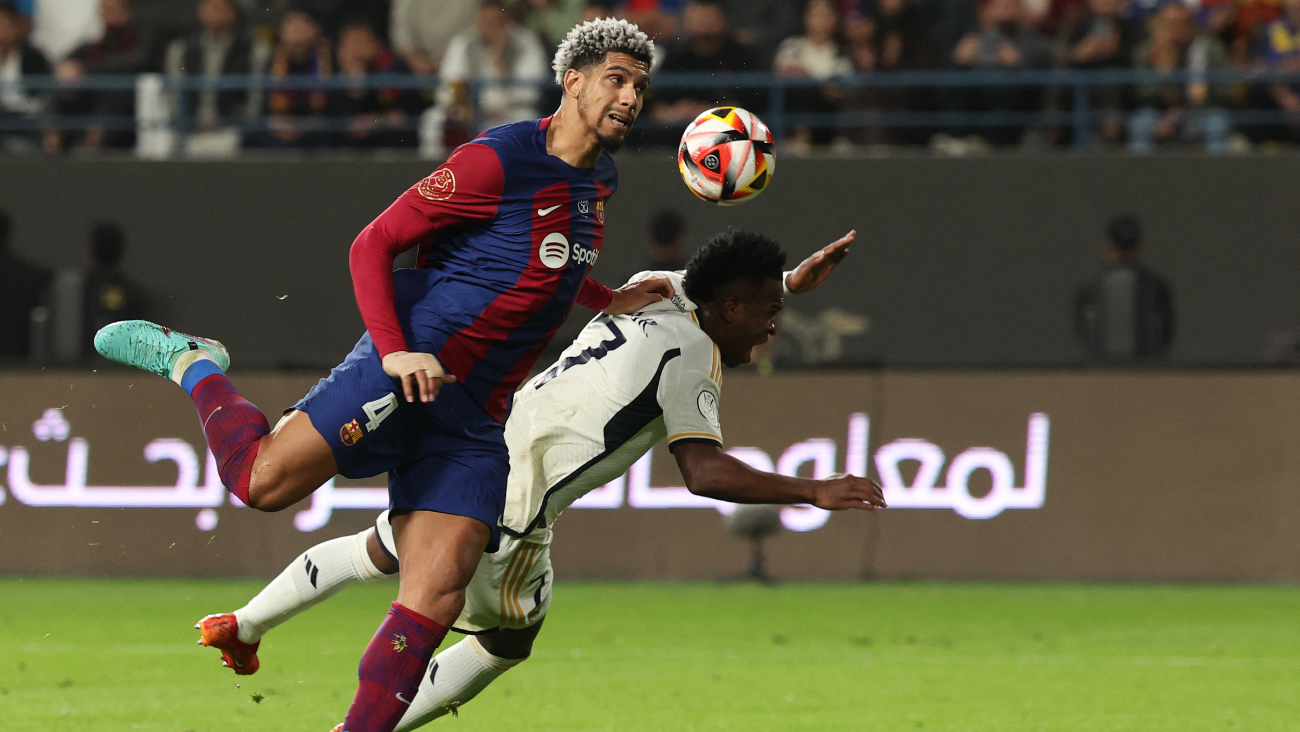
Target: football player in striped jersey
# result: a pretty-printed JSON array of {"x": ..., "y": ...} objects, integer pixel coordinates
[{"x": 626, "y": 382}]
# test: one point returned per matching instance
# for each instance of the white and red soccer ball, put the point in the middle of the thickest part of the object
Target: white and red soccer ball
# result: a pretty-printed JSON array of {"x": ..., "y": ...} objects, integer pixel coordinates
[{"x": 727, "y": 156}]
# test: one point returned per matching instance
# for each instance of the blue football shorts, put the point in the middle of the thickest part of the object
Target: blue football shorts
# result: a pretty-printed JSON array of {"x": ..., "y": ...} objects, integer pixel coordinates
[{"x": 448, "y": 456}]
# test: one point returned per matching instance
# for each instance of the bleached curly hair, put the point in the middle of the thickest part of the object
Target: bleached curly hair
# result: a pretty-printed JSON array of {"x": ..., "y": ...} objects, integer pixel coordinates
[{"x": 588, "y": 43}]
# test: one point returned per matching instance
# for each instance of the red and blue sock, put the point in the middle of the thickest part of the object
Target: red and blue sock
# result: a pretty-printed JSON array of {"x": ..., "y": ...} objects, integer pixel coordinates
[
  {"x": 231, "y": 424},
  {"x": 391, "y": 670}
]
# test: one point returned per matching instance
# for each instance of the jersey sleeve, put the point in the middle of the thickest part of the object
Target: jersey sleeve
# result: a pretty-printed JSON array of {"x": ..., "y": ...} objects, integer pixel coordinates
[
  {"x": 689, "y": 396},
  {"x": 464, "y": 191},
  {"x": 594, "y": 295}
]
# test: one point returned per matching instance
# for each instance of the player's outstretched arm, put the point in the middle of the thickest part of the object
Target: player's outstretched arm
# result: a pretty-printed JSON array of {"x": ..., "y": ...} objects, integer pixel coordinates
[
  {"x": 713, "y": 473},
  {"x": 634, "y": 297},
  {"x": 814, "y": 270}
]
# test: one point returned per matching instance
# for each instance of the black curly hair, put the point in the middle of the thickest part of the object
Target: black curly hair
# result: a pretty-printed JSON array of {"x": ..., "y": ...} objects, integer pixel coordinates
[{"x": 731, "y": 256}]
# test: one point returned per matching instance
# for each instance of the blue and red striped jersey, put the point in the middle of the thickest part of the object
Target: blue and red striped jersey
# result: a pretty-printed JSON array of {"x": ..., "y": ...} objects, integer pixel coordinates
[{"x": 506, "y": 235}]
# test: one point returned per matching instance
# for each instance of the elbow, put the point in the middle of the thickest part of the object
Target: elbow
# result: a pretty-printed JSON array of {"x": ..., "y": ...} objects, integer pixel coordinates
[{"x": 704, "y": 486}]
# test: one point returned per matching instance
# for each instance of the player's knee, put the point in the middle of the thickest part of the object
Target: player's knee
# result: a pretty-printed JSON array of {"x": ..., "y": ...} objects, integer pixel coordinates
[{"x": 270, "y": 491}]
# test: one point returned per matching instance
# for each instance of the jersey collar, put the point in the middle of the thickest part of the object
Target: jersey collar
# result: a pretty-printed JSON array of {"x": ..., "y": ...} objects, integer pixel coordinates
[{"x": 678, "y": 303}]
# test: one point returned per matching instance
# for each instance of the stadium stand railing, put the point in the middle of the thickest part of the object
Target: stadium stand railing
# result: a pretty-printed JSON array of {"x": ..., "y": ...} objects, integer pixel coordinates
[{"x": 161, "y": 106}]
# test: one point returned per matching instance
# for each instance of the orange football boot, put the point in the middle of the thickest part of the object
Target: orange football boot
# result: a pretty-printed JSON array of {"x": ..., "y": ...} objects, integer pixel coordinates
[
  {"x": 338, "y": 727},
  {"x": 222, "y": 633}
]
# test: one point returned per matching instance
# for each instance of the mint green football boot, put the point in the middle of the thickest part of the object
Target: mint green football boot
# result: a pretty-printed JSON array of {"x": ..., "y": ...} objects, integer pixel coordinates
[{"x": 152, "y": 347}]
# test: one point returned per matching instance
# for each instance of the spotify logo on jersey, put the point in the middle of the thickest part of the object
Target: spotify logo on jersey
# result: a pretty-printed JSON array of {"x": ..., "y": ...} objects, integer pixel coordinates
[{"x": 555, "y": 250}]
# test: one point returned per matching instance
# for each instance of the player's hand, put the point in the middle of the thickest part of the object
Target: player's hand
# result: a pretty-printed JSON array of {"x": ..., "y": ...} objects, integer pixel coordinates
[
  {"x": 814, "y": 270},
  {"x": 842, "y": 491},
  {"x": 634, "y": 297},
  {"x": 420, "y": 373}
]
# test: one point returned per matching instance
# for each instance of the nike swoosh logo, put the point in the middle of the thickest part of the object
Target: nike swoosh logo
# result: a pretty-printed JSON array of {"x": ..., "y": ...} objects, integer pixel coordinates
[
  {"x": 400, "y": 699},
  {"x": 544, "y": 211}
]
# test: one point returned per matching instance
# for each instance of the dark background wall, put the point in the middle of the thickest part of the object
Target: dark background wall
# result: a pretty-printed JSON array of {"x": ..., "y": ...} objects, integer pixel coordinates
[{"x": 961, "y": 262}]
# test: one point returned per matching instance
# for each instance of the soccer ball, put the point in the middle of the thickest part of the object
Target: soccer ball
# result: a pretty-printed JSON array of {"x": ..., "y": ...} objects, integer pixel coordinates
[{"x": 726, "y": 156}]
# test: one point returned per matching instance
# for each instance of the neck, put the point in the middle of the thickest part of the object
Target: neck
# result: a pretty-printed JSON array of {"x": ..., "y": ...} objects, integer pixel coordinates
[
  {"x": 570, "y": 139},
  {"x": 710, "y": 322}
]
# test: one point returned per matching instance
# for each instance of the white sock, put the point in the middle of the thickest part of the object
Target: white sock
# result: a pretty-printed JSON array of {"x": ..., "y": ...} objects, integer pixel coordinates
[
  {"x": 454, "y": 677},
  {"x": 316, "y": 575},
  {"x": 188, "y": 359}
]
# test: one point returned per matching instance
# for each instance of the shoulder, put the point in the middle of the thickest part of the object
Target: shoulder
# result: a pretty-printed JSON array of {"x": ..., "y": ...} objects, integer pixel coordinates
[
  {"x": 473, "y": 168},
  {"x": 475, "y": 153},
  {"x": 677, "y": 331},
  {"x": 510, "y": 138}
]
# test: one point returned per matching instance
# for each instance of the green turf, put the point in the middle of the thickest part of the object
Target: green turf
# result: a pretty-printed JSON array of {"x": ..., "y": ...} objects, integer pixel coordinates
[{"x": 108, "y": 655}]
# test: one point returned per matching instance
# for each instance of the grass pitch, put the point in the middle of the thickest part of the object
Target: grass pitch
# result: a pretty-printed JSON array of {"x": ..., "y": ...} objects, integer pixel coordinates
[{"x": 109, "y": 655}]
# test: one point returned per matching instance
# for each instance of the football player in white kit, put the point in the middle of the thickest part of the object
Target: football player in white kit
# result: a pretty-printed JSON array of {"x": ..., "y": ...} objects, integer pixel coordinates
[{"x": 625, "y": 383}]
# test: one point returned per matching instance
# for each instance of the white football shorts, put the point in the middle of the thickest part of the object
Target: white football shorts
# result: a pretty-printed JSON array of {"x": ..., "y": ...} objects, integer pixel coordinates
[{"x": 510, "y": 589}]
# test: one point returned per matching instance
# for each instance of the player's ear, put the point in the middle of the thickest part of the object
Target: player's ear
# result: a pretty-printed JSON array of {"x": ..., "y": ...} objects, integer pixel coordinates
[
  {"x": 730, "y": 310},
  {"x": 573, "y": 80}
]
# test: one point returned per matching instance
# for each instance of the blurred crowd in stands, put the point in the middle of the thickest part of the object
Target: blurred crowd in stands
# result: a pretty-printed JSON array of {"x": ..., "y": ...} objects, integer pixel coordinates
[{"x": 473, "y": 46}]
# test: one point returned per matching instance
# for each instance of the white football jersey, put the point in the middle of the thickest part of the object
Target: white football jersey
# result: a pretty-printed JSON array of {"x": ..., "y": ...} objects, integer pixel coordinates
[{"x": 625, "y": 383}]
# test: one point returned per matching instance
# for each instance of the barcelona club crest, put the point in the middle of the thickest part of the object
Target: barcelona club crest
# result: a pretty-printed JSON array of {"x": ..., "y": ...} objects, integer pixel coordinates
[
  {"x": 350, "y": 433},
  {"x": 600, "y": 211}
]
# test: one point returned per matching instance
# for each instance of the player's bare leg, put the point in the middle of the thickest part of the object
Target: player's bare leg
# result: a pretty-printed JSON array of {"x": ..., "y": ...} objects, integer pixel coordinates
[
  {"x": 438, "y": 554},
  {"x": 267, "y": 469},
  {"x": 292, "y": 461},
  {"x": 461, "y": 672}
]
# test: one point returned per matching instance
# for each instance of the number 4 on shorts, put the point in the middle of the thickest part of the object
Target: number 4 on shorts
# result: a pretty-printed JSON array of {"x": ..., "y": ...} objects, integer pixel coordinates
[{"x": 379, "y": 410}]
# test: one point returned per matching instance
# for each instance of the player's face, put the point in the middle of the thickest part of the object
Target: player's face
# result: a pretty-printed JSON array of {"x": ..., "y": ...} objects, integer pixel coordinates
[
  {"x": 611, "y": 98},
  {"x": 750, "y": 319}
]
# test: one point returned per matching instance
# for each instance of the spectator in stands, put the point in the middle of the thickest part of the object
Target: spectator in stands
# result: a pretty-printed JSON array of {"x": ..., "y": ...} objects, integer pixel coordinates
[
  {"x": 818, "y": 54},
  {"x": 902, "y": 37},
  {"x": 1063, "y": 14},
  {"x": 1003, "y": 41},
  {"x": 221, "y": 46},
  {"x": 707, "y": 47},
  {"x": 110, "y": 295},
  {"x": 501, "y": 64},
  {"x": 552, "y": 19},
  {"x": 1185, "y": 111},
  {"x": 23, "y": 286},
  {"x": 1238, "y": 24},
  {"x": 296, "y": 114},
  {"x": 332, "y": 15},
  {"x": 656, "y": 18},
  {"x": 593, "y": 9},
  {"x": 667, "y": 241},
  {"x": 896, "y": 38},
  {"x": 60, "y": 27},
  {"x": 862, "y": 53},
  {"x": 123, "y": 48},
  {"x": 375, "y": 117},
  {"x": 1104, "y": 38},
  {"x": 763, "y": 24},
  {"x": 1282, "y": 52},
  {"x": 18, "y": 58},
  {"x": 421, "y": 30},
  {"x": 1127, "y": 314}
]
